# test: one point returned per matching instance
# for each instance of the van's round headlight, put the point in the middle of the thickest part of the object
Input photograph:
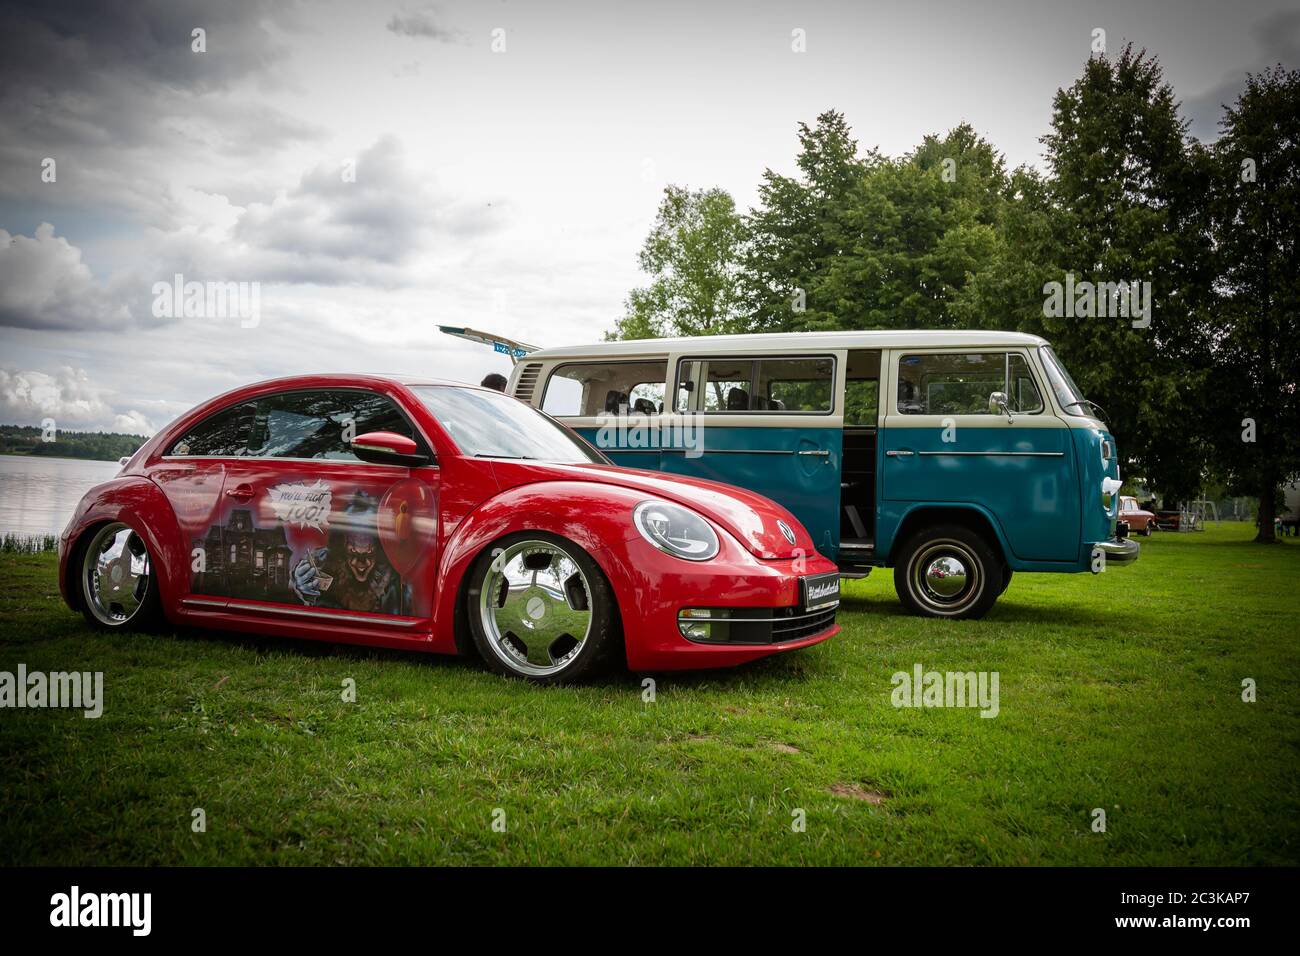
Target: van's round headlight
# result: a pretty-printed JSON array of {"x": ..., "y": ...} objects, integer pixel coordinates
[{"x": 676, "y": 530}]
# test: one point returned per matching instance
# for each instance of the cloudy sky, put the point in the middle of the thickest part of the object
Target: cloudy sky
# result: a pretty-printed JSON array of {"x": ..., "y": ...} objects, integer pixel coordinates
[{"x": 380, "y": 168}]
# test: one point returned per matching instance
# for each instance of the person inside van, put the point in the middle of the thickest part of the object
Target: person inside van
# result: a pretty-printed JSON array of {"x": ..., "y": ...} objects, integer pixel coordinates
[{"x": 494, "y": 380}]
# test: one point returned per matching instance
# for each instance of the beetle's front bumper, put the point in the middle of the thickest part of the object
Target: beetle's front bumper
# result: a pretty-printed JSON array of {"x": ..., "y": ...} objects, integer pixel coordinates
[{"x": 661, "y": 596}]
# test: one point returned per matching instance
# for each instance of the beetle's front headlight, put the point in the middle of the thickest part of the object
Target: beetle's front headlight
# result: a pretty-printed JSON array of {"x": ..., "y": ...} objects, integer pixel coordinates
[{"x": 676, "y": 530}]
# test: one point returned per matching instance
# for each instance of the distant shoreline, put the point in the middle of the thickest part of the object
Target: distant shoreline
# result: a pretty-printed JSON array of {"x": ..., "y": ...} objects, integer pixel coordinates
[{"x": 23, "y": 454}]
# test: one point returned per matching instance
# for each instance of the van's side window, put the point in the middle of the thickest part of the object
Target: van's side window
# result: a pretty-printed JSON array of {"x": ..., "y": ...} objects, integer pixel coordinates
[
  {"x": 960, "y": 384},
  {"x": 592, "y": 388},
  {"x": 794, "y": 385},
  {"x": 1022, "y": 392}
]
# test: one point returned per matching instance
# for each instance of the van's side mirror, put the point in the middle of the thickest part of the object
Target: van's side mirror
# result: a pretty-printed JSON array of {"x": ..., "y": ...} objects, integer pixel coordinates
[
  {"x": 998, "y": 405},
  {"x": 389, "y": 448}
]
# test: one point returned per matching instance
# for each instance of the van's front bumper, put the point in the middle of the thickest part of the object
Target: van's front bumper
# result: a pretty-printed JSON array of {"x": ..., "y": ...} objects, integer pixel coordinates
[{"x": 1118, "y": 551}]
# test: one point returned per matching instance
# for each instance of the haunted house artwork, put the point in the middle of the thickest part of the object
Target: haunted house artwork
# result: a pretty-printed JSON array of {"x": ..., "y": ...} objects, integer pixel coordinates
[{"x": 242, "y": 560}]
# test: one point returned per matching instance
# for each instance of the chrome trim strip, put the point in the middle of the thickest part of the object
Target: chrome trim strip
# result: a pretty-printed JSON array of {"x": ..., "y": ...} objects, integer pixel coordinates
[
  {"x": 763, "y": 620},
  {"x": 733, "y": 451},
  {"x": 203, "y": 602},
  {"x": 1004, "y": 454},
  {"x": 345, "y": 462},
  {"x": 307, "y": 612}
]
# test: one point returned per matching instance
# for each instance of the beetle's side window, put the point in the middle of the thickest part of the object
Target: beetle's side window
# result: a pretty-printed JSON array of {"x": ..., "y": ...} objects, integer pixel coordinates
[
  {"x": 322, "y": 424},
  {"x": 223, "y": 435},
  {"x": 961, "y": 383}
]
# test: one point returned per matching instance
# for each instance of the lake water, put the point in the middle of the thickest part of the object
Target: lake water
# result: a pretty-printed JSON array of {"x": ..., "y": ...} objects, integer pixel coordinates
[{"x": 39, "y": 494}]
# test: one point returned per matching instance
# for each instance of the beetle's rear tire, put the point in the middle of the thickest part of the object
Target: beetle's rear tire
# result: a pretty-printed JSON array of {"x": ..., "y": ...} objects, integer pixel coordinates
[
  {"x": 540, "y": 609},
  {"x": 948, "y": 571},
  {"x": 117, "y": 585}
]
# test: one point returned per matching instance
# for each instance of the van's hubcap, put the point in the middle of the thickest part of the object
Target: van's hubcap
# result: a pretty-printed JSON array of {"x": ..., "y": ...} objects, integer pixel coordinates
[
  {"x": 535, "y": 606},
  {"x": 946, "y": 577},
  {"x": 115, "y": 574}
]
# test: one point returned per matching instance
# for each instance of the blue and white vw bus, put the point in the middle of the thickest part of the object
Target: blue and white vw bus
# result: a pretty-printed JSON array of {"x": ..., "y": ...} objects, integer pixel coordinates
[{"x": 956, "y": 458}]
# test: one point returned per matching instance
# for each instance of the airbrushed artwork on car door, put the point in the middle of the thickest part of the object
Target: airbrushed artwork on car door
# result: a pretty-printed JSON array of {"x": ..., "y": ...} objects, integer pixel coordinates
[{"x": 345, "y": 542}]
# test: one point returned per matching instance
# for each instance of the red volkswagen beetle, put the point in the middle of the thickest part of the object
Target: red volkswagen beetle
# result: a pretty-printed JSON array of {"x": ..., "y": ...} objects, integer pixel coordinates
[{"x": 438, "y": 517}]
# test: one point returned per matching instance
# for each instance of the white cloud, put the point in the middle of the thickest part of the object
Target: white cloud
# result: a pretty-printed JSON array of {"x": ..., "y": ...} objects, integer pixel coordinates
[
  {"x": 69, "y": 397},
  {"x": 44, "y": 284}
]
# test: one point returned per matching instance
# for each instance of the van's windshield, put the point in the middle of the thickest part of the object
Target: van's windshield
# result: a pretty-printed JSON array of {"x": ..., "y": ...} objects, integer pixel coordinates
[{"x": 1068, "y": 395}]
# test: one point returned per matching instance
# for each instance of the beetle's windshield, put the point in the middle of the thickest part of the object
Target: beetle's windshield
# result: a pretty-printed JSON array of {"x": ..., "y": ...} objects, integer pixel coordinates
[
  {"x": 487, "y": 424},
  {"x": 1068, "y": 394}
]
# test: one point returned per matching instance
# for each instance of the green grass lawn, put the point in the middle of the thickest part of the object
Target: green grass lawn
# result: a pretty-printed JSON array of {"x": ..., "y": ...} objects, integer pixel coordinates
[{"x": 1122, "y": 691}]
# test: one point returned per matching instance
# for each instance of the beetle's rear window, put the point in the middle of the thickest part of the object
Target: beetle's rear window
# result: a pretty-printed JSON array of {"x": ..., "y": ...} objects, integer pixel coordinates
[{"x": 223, "y": 435}]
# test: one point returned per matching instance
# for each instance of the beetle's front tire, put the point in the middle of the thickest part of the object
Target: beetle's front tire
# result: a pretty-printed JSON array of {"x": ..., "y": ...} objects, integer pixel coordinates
[
  {"x": 116, "y": 581},
  {"x": 948, "y": 571},
  {"x": 540, "y": 609}
]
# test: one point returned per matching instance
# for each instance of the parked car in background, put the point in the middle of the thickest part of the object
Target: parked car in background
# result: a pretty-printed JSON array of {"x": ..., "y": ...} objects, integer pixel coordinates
[
  {"x": 956, "y": 458},
  {"x": 431, "y": 516},
  {"x": 1139, "y": 520}
]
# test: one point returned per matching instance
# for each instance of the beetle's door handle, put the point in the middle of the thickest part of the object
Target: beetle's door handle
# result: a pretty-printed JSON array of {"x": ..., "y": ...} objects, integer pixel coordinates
[{"x": 240, "y": 492}]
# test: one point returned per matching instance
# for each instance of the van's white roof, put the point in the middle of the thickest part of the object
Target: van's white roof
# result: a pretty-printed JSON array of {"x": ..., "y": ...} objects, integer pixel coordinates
[{"x": 798, "y": 342}]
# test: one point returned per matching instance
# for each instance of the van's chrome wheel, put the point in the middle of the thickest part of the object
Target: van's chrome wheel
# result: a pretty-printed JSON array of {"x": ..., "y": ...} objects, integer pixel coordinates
[
  {"x": 116, "y": 577},
  {"x": 535, "y": 607},
  {"x": 945, "y": 575},
  {"x": 949, "y": 571}
]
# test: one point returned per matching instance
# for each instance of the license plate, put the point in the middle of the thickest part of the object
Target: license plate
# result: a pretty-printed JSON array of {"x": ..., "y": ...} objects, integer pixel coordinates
[{"x": 820, "y": 591}]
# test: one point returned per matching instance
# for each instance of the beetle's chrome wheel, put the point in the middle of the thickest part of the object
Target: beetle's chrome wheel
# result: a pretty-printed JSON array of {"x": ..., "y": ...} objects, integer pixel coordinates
[
  {"x": 535, "y": 606},
  {"x": 945, "y": 576},
  {"x": 115, "y": 575}
]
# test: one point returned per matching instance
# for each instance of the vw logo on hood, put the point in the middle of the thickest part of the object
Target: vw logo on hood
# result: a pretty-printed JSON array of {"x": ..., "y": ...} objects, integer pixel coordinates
[{"x": 786, "y": 530}]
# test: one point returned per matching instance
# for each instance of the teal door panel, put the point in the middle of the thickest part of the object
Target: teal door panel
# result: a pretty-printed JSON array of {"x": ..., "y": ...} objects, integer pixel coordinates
[
  {"x": 797, "y": 467},
  {"x": 625, "y": 457},
  {"x": 1024, "y": 476}
]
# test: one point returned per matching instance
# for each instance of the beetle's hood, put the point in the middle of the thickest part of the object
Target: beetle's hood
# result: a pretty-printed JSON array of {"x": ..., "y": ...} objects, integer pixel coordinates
[{"x": 750, "y": 518}]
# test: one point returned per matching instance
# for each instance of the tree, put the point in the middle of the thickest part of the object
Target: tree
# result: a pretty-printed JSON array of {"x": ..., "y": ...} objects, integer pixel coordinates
[
  {"x": 797, "y": 230},
  {"x": 693, "y": 254},
  {"x": 912, "y": 233},
  {"x": 1256, "y": 348},
  {"x": 1127, "y": 205}
]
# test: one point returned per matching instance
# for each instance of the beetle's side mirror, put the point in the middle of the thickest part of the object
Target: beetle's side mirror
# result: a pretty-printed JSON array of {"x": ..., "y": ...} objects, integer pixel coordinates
[
  {"x": 998, "y": 405},
  {"x": 389, "y": 448}
]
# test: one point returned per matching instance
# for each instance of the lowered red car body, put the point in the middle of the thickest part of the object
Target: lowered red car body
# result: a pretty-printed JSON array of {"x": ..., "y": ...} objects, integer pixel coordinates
[{"x": 437, "y": 517}]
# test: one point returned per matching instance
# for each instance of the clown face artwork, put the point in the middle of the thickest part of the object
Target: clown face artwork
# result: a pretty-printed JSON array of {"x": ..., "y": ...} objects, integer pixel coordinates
[{"x": 352, "y": 572}]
